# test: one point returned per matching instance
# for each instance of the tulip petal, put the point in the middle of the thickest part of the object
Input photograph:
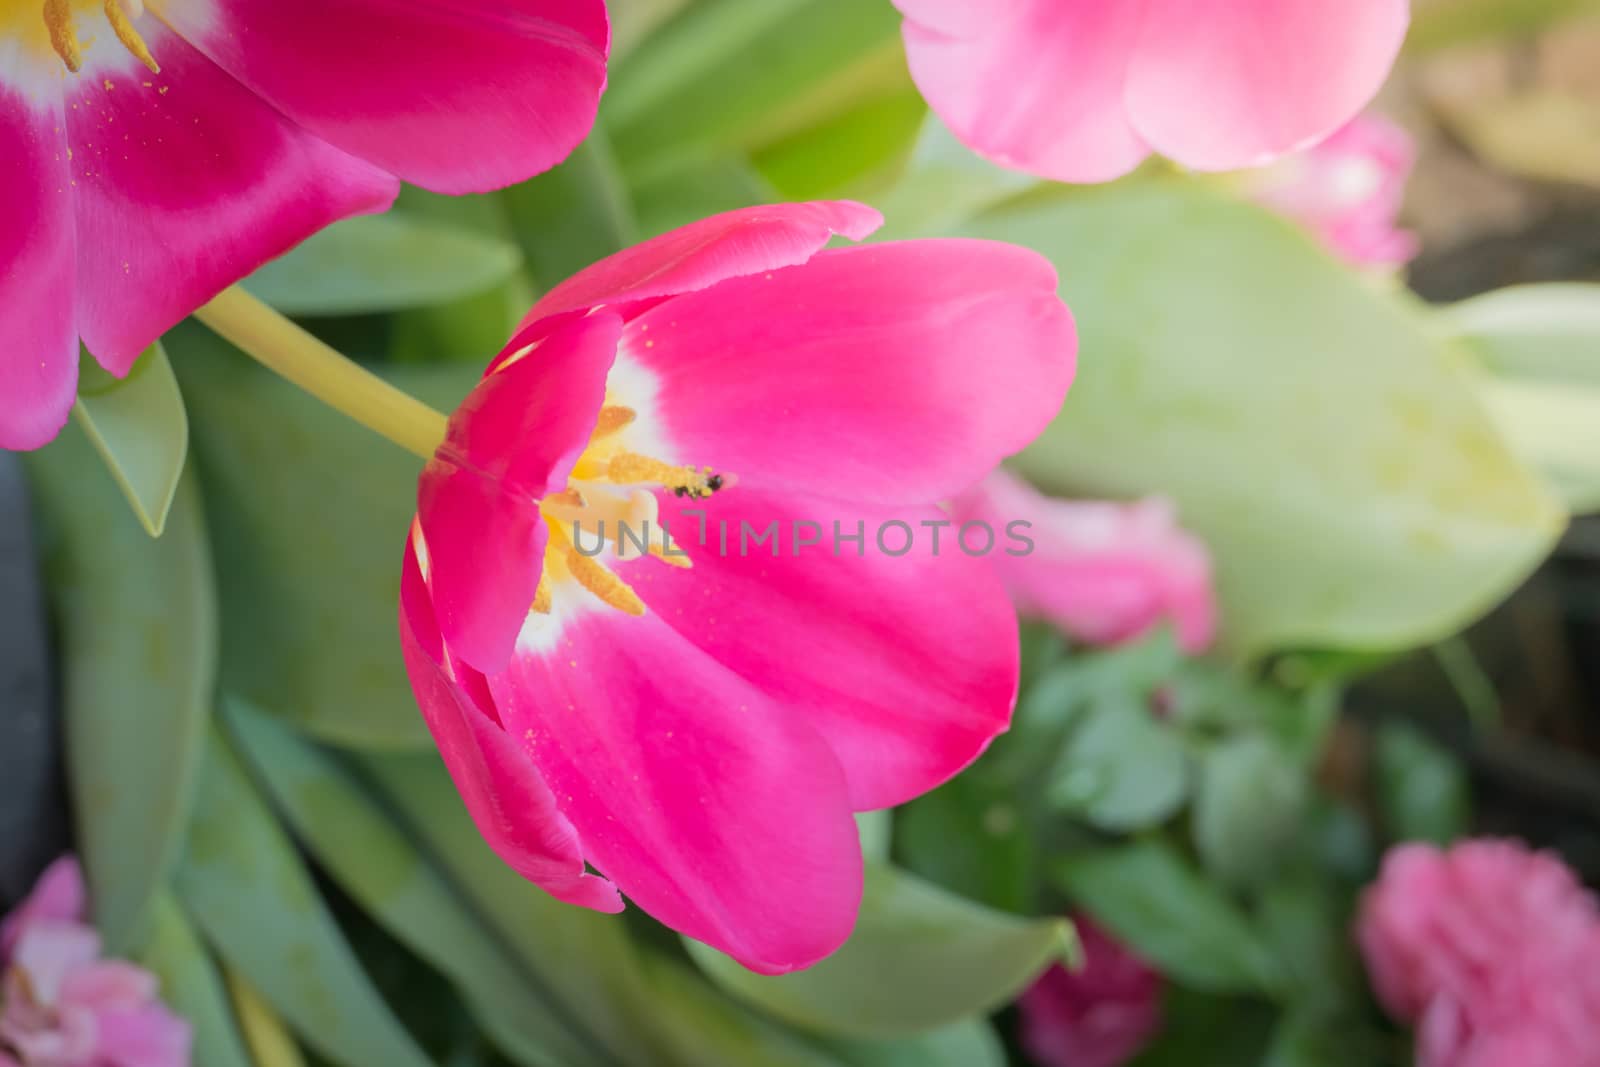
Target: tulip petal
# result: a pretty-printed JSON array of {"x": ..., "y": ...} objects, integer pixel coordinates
[
  {"x": 458, "y": 97},
  {"x": 184, "y": 183},
  {"x": 895, "y": 373},
  {"x": 1220, "y": 86},
  {"x": 511, "y": 804},
  {"x": 39, "y": 364},
  {"x": 747, "y": 241},
  {"x": 900, "y": 648},
  {"x": 514, "y": 440},
  {"x": 1036, "y": 85},
  {"x": 719, "y": 812}
]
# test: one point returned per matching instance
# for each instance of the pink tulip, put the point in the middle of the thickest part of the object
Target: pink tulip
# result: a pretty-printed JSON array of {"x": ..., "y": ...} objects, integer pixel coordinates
[
  {"x": 61, "y": 1005},
  {"x": 1083, "y": 90},
  {"x": 154, "y": 157},
  {"x": 1491, "y": 950},
  {"x": 1347, "y": 190},
  {"x": 698, "y": 718},
  {"x": 1101, "y": 1015},
  {"x": 1103, "y": 572}
]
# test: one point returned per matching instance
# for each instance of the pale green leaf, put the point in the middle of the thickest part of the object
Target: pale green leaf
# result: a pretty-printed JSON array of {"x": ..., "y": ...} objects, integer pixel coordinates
[
  {"x": 1544, "y": 333},
  {"x": 1247, "y": 808},
  {"x": 137, "y": 623},
  {"x": 919, "y": 959},
  {"x": 192, "y": 986},
  {"x": 139, "y": 427}
]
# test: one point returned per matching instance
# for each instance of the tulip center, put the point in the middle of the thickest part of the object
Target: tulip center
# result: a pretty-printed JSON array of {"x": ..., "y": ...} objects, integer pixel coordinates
[
  {"x": 610, "y": 502},
  {"x": 52, "y": 26}
]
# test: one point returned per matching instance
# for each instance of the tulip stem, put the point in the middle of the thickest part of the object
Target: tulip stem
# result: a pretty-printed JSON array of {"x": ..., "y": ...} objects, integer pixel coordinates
[
  {"x": 268, "y": 1039},
  {"x": 289, "y": 351}
]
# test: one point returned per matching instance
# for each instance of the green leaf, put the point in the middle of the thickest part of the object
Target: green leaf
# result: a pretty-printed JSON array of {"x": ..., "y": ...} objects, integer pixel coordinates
[
  {"x": 919, "y": 959},
  {"x": 1557, "y": 429},
  {"x": 372, "y": 859},
  {"x": 139, "y": 427},
  {"x": 1247, "y": 808},
  {"x": 192, "y": 986},
  {"x": 574, "y": 215},
  {"x": 1307, "y": 923},
  {"x": 970, "y": 837},
  {"x": 1546, "y": 333},
  {"x": 256, "y": 902},
  {"x": 945, "y": 184},
  {"x": 375, "y": 263},
  {"x": 582, "y": 957},
  {"x": 682, "y": 196},
  {"x": 1443, "y": 23},
  {"x": 1201, "y": 1030},
  {"x": 309, "y": 514},
  {"x": 1149, "y": 897},
  {"x": 1309, "y": 1037},
  {"x": 876, "y": 829},
  {"x": 969, "y": 1044},
  {"x": 1422, "y": 790},
  {"x": 138, "y": 630},
  {"x": 699, "y": 1028},
  {"x": 1316, "y": 437},
  {"x": 1121, "y": 770}
]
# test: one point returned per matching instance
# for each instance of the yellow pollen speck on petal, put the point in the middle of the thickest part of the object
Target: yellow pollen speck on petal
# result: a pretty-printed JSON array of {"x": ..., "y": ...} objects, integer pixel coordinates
[
  {"x": 613, "y": 418},
  {"x": 611, "y": 590},
  {"x": 122, "y": 26}
]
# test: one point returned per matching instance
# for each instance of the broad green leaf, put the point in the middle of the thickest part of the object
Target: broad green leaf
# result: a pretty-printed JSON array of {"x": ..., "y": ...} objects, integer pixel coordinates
[
  {"x": 309, "y": 514},
  {"x": 1307, "y": 924},
  {"x": 139, "y": 427},
  {"x": 375, "y": 263},
  {"x": 1121, "y": 770},
  {"x": 697, "y": 1027},
  {"x": 574, "y": 215},
  {"x": 138, "y": 628},
  {"x": 1542, "y": 333},
  {"x": 192, "y": 986},
  {"x": 1316, "y": 437},
  {"x": 969, "y": 1044},
  {"x": 971, "y": 837},
  {"x": 1247, "y": 808},
  {"x": 711, "y": 186},
  {"x": 1310, "y": 1037},
  {"x": 1148, "y": 896},
  {"x": 876, "y": 828},
  {"x": 584, "y": 959},
  {"x": 945, "y": 184},
  {"x": 1423, "y": 791},
  {"x": 1441, "y": 23},
  {"x": 255, "y": 901},
  {"x": 919, "y": 959},
  {"x": 1203, "y": 1030},
  {"x": 372, "y": 859},
  {"x": 856, "y": 152},
  {"x": 633, "y": 21}
]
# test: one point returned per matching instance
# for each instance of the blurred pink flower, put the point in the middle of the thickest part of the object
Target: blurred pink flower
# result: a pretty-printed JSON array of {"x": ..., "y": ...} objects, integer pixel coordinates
[
  {"x": 1348, "y": 190},
  {"x": 699, "y": 723},
  {"x": 61, "y": 1005},
  {"x": 1491, "y": 950},
  {"x": 1083, "y": 90},
  {"x": 1103, "y": 572},
  {"x": 155, "y": 155},
  {"x": 1101, "y": 1015}
]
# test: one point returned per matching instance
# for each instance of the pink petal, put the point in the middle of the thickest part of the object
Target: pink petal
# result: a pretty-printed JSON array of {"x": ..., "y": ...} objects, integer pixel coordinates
[
  {"x": 184, "y": 183},
  {"x": 48, "y": 950},
  {"x": 457, "y": 97},
  {"x": 39, "y": 364},
  {"x": 512, "y": 441},
  {"x": 897, "y": 373},
  {"x": 511, "y": 804},
  {"x": 747, "y": 241},
  {"x": 147, "y": 1036},
  {"x": 717, "y": 810},
  {"x": 58, "y": 895},
  {"x": 106, "y": 984},
  {"x": 1219, "y": 86},
  {"x": 1103, "y": 572},
  {"x": 1036, "y": 84},
  {"x": 906, "y": 664}
]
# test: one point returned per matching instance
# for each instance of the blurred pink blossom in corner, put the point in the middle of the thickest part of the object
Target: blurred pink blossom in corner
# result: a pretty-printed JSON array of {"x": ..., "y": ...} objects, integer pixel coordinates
[
  {"x": 61, "y": 1004},
  {"x": 1101, "y": 1015},
  {"x": 1491, "y": 950},
  {"x": 1348, "y": 190},
  {"x": 1102, "y": 572}
]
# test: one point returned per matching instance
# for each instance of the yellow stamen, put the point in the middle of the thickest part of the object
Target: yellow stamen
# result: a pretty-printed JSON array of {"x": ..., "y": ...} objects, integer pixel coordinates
[
  {"x": 122, "y": 26},
  {"x": 566, "y": 498},
  {"x": 63, "y": 33},
  {"x": 541, "y": 598},
  {"x": 671, "y": 559},
  {"x": 612, "y": 419},
  {"x": 594, "y": 577},
  {"x": 630, "y": 468}
]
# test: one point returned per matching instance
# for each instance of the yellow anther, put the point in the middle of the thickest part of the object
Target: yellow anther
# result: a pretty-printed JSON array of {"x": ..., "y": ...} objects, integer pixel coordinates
[
  {"x": 570, "y": 498},
  {"x": 541, "y": 598},
  {"x": 612, "y": 590},
  {"x": 63, "y": 33},
  {"x": 630, "y": 468},
  {"x": 122, "y": 26},
  {"x": 612, "y": 419}
]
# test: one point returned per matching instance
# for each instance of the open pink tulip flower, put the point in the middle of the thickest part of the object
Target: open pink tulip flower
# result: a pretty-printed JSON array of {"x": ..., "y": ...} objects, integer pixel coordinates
[
  {"x": 1491, "y": 950},
  {"x": 1100, "y": 571},
  {"x": 157, "y": 151},
  {"x": 1102, "y": 1014},
  {"x": 1347, "y": 191},
  {"x": 756, "y": 432},
  {"x": 62, "y": 1005},
  {"x": 1083, "y": 90}
]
